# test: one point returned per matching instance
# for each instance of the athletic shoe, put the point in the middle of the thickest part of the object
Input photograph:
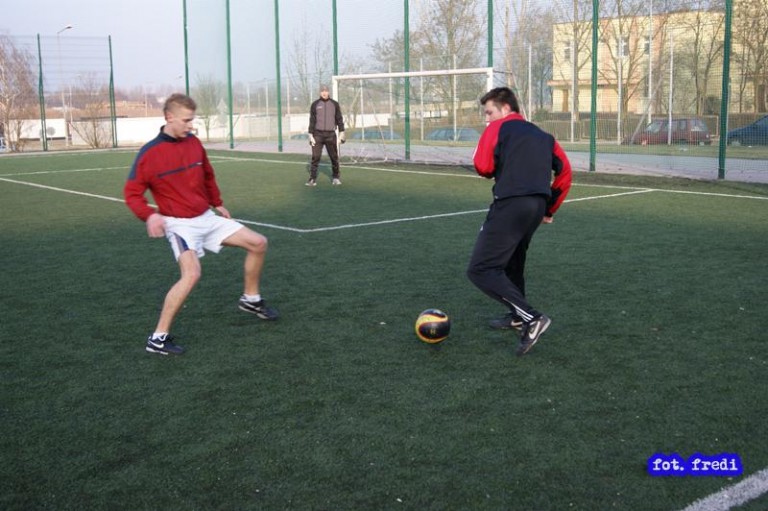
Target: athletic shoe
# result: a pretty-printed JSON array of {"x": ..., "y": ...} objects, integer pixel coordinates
[
  {"x": 336, "y": 181},
  {"x": 531, "y": 333},
  {"x": 508, "y": 321},
  {"x": 259, "y": 308},
  {"x": 163, "y": 345},
  {"x": 311, "y": 182}
]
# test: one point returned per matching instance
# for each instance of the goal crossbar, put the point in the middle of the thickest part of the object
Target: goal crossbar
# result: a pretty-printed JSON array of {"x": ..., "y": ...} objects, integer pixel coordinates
[{"x": 488, "y": 71}]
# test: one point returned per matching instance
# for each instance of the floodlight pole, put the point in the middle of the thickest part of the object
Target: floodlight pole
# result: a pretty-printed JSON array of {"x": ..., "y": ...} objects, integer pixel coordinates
[
  {"x": 41, "y": 95},
  {"x": 229, "y": 80},
  {"x": 61, "y": 89}
]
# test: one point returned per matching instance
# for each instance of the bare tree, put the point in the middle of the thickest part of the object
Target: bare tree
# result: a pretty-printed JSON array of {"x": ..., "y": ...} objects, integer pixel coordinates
[
  {"x": 576, "y": 47},
  {"x": 94, "y": 124},
  {"x": 700, "y": 58},
  {"x": 454, "y": 43},
  {"x": 18, "y": 97},
  {"x": 310, "y": 64},
  {"x": 750, "y": 35},
  {"x": 624, "y": 34},
  {"x": 526, "y": 35},
  {"x": 208, "y": 93}
]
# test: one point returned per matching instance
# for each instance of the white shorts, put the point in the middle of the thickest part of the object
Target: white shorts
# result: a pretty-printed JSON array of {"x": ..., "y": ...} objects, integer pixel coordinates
[{"x": 204, "y": 232}]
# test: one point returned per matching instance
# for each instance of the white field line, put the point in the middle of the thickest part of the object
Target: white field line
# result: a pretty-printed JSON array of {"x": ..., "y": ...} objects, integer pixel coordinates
[
  {"x": 38, "y": 172},
  {"x": 711, "y": 194},
  {"x": 735, "y": 495},
  {"x": 632, "y": 191},
  {"x": 57, "y": 189},
  {"x": 644, "y": 190},
  {"x": 225, "y": 159},
  {"x": 368, "y": 224}
]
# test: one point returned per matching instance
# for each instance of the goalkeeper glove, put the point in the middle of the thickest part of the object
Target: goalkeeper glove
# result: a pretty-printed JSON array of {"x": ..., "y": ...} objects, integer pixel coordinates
[
  {"x": 342, "y": 137},
  {"x": 312, "y": 140}
]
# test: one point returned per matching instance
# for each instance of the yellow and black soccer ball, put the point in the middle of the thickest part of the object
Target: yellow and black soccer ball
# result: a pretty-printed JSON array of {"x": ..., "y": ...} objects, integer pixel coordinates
[{"x": 433, "y": 326}]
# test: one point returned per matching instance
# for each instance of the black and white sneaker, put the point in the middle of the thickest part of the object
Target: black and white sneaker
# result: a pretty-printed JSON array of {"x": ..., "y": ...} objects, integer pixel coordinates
[
  {"x": 163, "y": 345},
  {"x": 311, "y": 182},
  {"x": 531, "y": 333},
  {"x": 259, "y": 308},
  {"x": 509, "y": 321}
]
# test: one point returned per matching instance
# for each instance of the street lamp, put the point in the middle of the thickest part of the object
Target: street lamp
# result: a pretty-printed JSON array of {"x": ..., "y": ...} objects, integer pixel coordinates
[{"x": 61, "y": 87}]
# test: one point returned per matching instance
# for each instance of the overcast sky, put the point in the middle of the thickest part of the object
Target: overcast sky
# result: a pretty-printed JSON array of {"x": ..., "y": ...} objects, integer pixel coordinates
[{"x": 148, "y": 35}]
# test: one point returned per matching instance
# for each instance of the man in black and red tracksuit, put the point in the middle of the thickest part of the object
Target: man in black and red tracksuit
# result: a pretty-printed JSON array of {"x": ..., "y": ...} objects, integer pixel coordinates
[
  {"x": 324, "y": 118},
  {"x": 521, "y": 158}
]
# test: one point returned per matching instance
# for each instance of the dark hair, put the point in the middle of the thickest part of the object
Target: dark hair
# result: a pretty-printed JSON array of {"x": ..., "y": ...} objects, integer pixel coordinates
[
  {"x": 501, "y": 96},
  {"x": 181, "y": 100}
]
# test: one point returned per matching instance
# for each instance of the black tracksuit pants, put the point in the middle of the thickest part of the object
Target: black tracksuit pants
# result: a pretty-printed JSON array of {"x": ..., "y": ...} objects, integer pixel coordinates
[
  {"x": 497, "y": 265},
  {"x": 325, "y": 139}
]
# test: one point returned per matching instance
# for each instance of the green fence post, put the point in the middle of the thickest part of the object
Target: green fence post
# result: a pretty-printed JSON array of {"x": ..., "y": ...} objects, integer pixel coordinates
[
  {"x": 490, "y": 33},
  {"x": 41, "y": 95},
  {"x": 335, "y": 39},
  {"x": 279, "y": 82},
  {"x": 593, "y": 105},
  {"x": 407, "y": 66},
  {"x": 725, "y": 91},
  {"x": 186, "y": 51}
]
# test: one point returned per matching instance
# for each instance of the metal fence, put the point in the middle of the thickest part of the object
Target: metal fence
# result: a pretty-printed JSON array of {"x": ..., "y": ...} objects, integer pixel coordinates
[
  {"x": 630, "y": 85},
  {"x": 57, "y": 92},
  {"x": 639, "y": 85}
]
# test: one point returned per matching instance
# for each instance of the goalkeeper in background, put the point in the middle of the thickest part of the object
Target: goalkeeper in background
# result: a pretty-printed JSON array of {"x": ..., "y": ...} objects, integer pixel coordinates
[
  {"x": 324, "y": 118},
  {"x": 521, "y": 158}
]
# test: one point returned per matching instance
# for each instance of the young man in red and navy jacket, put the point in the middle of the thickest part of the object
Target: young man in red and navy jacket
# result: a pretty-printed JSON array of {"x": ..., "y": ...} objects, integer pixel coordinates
[
  {"x": 521, "y": 158},
  {"x": 174, "y": 167}
]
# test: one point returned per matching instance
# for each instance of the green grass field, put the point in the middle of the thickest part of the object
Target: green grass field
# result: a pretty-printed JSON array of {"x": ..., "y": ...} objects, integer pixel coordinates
[{"x": 656, "y": 287}]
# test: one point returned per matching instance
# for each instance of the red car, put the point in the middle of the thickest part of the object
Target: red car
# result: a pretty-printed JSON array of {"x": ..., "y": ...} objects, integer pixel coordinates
[{"x": 685, "y": 130}]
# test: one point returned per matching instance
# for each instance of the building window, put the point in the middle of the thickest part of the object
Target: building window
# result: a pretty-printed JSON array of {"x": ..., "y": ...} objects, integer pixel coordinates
[
  {"x": 567, "y": 51},
  {"x": 623, "y": 47},
  {"x": 647, "y": 45}
]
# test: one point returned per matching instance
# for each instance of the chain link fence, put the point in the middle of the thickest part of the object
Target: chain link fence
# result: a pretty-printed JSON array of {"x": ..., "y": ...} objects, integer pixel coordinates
[{"x": 653, "y": 86}]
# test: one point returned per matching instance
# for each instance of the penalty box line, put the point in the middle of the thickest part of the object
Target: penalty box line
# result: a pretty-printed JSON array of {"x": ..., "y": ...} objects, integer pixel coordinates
[
  {"x": 380, "y": 222},
  {"x": 424, "y": 217},
  {"x": 317, "y": 229}
]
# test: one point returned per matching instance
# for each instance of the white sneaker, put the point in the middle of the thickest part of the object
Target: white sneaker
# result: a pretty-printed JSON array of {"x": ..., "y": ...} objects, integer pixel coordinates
[{"x": 336, "y": 181}]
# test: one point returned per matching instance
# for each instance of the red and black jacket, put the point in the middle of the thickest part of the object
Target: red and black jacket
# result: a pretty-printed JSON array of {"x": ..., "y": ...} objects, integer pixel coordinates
[
  {"x": 178, "y": 174},
  {"x": 521, "y": 158}
]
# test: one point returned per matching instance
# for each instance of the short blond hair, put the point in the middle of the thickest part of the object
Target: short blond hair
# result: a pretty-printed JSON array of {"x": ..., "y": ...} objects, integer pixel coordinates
[{"x": 181, "y": 100}]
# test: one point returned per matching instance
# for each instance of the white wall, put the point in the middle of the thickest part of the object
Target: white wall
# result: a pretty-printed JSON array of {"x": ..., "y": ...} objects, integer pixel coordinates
[{"x": 140, "y": 130}]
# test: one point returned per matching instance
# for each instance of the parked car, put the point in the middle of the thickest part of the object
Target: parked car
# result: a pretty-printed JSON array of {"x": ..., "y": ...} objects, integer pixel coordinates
[
  {"x": 447, "y": 134},
  {"x": 300, "y": 136},
  {"x": 685, "y": 130},
  {"x": 380, "y": 133},
  {"x": 751, "y": 134}
]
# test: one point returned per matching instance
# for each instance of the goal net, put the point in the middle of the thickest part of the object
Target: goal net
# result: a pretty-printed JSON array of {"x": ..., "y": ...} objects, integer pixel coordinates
[{"x": 430, "y": 117}]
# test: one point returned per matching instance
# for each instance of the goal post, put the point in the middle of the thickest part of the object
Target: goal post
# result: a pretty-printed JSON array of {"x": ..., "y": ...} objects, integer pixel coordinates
[{"x": 441, "y": 105}]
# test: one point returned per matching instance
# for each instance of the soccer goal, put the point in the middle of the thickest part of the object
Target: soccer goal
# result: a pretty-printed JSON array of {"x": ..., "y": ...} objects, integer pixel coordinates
[{"x": 421, "y": 116}]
